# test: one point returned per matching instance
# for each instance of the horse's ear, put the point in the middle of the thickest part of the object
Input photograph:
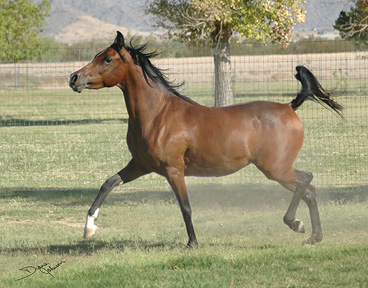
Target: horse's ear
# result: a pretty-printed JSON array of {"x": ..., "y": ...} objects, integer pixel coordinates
[{"x": 119, "y": 40}]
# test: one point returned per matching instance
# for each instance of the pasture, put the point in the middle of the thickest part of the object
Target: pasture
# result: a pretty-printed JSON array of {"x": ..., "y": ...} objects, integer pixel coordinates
[
  {"x": 141, "y": 237},
  {"x": 141, "y": 240},
  {"x": 57, "y": 148}
]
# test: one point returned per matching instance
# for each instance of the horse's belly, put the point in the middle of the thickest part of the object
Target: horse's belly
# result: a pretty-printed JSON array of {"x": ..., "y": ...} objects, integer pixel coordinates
[
  {"x": 216, "y": 168},
  {"x": 218, "y": 156}
]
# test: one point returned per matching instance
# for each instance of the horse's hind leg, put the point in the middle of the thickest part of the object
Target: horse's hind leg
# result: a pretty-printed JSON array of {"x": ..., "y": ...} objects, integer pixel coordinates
[
  {"x": 299, "y": 183},
  {"x": 303, "y": 190},
  {"x": 310, "y": 198},
  {"x": 298, "y": 187},
  {"x": 129, "y": 173}
]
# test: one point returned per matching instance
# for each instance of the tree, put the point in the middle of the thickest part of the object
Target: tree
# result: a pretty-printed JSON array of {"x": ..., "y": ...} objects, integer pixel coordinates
[
  {"x": 20, "y": 22},
  {"x": 217, "y": 21},
  {"x": 353, "y": 25}
]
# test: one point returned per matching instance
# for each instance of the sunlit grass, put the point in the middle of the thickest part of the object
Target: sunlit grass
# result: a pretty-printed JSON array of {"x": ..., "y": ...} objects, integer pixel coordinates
[
  {"x": 141, "y": 240},
  {"x": 61, "y": 139},
  {"x": 58, "y": 148}
]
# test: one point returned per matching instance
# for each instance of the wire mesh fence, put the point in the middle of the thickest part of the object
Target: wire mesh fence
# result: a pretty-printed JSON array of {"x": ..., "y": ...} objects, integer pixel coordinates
[{"x": 52, "y": 137}]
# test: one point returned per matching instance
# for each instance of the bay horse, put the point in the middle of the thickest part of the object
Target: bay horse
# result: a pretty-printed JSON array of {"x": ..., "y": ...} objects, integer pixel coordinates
[{"x": 173, "y": 136}]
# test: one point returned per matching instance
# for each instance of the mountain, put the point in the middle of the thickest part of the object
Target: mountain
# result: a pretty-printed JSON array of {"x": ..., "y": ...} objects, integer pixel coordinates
[{"x": 76, "y": 20}]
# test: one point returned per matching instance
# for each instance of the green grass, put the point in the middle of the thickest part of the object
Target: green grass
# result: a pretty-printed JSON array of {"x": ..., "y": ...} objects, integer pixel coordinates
[
  {"x": 79, "y": 139},
  {"x": 141, "y": 239},
  {"x": 58, "y": 147}
]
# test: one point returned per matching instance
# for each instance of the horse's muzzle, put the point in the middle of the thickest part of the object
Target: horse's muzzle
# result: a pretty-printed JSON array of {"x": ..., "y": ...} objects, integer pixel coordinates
[{"x": 73, "y": 81}]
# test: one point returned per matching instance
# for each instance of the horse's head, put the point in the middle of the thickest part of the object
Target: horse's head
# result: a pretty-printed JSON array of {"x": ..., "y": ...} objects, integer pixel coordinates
[{"x": 105, "y": 70}]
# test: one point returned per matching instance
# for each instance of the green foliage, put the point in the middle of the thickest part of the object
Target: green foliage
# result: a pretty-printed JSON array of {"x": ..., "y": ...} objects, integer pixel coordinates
[
  {"x": 341, "y": 78},
  {"x": 85, "y": 50},
  {"x": 353, "y": 24},
  {"x": 20, "y": 22},
  {"x": 217, "y": 20}
]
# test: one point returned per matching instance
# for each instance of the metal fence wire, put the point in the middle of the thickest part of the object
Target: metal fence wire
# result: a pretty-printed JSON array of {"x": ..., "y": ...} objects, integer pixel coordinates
[{"x": 52, "y": 137}]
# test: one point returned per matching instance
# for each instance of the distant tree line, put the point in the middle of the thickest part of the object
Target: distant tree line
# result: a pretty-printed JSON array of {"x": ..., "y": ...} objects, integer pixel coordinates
[
  {"x": 22, "y": 20},
  {"x": 86, "y": 50}
]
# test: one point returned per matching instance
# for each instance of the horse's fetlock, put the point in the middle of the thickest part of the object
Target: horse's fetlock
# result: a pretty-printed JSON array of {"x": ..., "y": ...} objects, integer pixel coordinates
[
  {"x": 287, "y": 220},
  {"x": 93, "y": 214},
  {"x": 318, "y": 237}
]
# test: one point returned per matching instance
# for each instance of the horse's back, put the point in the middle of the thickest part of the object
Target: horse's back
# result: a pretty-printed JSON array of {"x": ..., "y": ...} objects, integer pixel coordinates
[{"x": 262, "y": 116}]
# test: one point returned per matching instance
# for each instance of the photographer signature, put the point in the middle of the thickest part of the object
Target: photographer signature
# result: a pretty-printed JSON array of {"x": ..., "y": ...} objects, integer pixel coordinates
[{"x": 44, "y": 268}]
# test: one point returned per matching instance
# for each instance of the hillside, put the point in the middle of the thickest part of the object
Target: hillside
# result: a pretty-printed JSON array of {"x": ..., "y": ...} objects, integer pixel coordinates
[{"x": 75, "y": 20}]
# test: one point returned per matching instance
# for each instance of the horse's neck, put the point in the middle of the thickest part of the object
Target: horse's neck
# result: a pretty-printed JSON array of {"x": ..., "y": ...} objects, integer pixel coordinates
[{"x": 143, "y": 101}]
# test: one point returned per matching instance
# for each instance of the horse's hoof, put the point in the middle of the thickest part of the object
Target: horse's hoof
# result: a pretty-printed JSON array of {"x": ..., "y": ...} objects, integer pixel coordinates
[
  {"x": 89, "y": 232},
  {"x": 309, "y": 242},
  {"x": 299, "y": 226},
  {"x": 191, "y": 245},
  {"x": 312, "y": 240}
]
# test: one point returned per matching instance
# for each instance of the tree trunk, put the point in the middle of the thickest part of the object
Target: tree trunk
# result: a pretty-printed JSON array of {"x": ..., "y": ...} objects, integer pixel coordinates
[{"x": 223, "y": 81}]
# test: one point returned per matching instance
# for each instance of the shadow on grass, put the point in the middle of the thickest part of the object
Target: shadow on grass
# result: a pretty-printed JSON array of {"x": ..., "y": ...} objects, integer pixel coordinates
[
  {"x": 26, "y": 122},
  {"x": 247, "y": 196},
  {"x": 344, "y": 195},
  {"x": 89, "y": 247},
  {"x": 202, "y": 196},
  {"x": 55, "y": 196}
]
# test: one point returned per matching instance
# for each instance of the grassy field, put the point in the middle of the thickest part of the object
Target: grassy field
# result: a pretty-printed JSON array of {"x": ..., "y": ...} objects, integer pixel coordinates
[
  {"x": 58, "y": 147},
  {"x": 141, "y": 239}
]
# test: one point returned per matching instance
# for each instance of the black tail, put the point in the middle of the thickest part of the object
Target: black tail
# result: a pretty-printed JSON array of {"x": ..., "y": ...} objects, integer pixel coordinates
[{"x": 313, "y": 90}]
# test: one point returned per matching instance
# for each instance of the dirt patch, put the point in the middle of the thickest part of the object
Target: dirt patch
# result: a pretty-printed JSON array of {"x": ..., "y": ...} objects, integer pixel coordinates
[{"x": 70, "y": 222}]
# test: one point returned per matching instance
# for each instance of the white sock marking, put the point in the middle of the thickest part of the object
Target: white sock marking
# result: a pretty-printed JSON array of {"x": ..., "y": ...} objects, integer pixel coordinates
[{"x": 91, "y": 220}]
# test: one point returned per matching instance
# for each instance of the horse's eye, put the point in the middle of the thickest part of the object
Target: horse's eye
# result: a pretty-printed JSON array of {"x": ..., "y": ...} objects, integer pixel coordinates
[{"x": 108, "y": 60}]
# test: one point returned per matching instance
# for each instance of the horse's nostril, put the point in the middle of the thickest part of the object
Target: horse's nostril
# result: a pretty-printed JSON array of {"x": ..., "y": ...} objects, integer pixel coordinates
[{"x": 73, "y": 78}]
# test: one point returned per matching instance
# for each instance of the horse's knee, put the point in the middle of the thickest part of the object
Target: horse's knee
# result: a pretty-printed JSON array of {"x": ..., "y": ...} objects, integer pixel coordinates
[
  {"x": 111, "y": 183},
  {"x": 186, "y": 210},
  {"x": 107, "y": 185}
]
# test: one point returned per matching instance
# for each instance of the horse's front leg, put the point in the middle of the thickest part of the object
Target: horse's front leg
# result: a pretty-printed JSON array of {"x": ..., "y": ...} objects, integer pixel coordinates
[
  {"x": 130, "y": 172},
  {"x": 176, "y": 180}
]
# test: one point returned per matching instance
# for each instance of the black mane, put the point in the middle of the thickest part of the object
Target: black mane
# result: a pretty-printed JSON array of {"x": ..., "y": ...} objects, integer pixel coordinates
[{"x": 141, "y": 58}]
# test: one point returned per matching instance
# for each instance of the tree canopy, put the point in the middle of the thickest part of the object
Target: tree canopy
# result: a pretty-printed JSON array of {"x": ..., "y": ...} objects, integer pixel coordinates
[
  {"x": 20, "y": 22},
  {"x": 217, "y": 20},
  {"x": 353, "y": 24}
]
